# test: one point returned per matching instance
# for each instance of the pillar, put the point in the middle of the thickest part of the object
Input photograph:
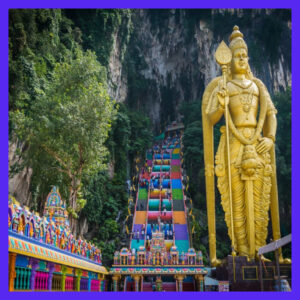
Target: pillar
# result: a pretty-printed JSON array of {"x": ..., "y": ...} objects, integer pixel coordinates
[
  {"x": 11, "y": 270},
  {"x": 34, "y": 265},
  {"x": 63, "y": 277},
  {"x": 50, "y": 276},
  {"x": 101, "y": 278},
  {"x": 200, "y": 282},
  {"x": 179, "y": 280},
  {"x": 78, "y": 273},
  {"x": 116, "y": 279},
  {"x": 136, "y": 282},
  {"x": 90, "y": 281}
]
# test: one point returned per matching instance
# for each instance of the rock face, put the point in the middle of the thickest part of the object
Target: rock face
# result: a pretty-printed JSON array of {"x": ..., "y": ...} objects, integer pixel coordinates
[
  {"x": 173, "y": 56},
  {"x": 117, "y": 85},
  {"x": 19, "y": 184}
]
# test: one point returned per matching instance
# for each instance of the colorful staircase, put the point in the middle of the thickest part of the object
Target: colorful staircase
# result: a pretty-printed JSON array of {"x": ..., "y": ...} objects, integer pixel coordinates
[
  {"x": 160, "y": 206},
  {"x": 179, "y": 209}
]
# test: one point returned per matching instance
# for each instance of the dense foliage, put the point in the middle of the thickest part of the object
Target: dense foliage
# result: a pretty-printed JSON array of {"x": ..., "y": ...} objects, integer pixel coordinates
[
  {"x": 69, "y": 122},
  {"x": 99, "y": 28},
  {"x": 107, "y": 196},
  {"x": 38, "y": 41}
]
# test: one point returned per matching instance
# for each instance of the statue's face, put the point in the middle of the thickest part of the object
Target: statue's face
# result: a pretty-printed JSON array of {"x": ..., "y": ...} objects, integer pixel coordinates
[{"x": 239, "y": 61}]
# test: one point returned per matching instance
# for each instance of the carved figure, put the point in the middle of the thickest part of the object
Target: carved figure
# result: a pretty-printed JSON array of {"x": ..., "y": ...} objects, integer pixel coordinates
[{"x": 248, "y": 188}]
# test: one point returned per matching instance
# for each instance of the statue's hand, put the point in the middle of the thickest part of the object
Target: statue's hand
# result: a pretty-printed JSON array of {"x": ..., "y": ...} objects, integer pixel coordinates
[
  {"x": 265, "y": 144},
  {"x": 223, "y": 96}
]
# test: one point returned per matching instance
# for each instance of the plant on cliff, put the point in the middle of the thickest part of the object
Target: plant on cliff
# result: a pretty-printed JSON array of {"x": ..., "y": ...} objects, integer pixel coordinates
[{"x": 69, "y": 123}]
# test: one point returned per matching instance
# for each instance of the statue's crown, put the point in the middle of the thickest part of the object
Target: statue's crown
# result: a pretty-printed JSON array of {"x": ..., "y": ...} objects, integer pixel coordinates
[{"x": 236, "y": 40}]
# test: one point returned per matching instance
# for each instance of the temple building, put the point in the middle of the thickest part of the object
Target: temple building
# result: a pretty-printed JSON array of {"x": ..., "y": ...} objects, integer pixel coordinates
[{"x": 45, "y": 256}]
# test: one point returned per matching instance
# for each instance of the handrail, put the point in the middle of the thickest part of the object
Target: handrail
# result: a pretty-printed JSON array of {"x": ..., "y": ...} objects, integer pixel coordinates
[
  {"x": 160, "y": 189},
  {"x": 185, "y": 210},
  {"x": 134, "y": 215},
  {"x": 172, "y": 203},
  {"x": 147, "y": 210},
  {"x": 149, "y": 193}
]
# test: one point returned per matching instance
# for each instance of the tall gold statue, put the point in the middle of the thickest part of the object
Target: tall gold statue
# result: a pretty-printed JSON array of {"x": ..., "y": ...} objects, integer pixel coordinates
[{"x": 248, "y": 188}]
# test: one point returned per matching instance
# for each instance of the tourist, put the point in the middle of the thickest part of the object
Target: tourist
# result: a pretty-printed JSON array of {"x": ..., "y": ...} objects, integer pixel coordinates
[
  {"x": 169, "y": 193},
  {"x": 147, "y": 185},
  {"x": 164, "y": 209},
  {"x": 143, "y": 231},
  {"x": 151, "y": 186},
  {"x": 138, "y": 236}
]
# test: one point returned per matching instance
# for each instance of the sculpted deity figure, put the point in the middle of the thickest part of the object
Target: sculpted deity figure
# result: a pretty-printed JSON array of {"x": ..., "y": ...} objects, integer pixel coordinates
[{"x": 249, "y": 188}]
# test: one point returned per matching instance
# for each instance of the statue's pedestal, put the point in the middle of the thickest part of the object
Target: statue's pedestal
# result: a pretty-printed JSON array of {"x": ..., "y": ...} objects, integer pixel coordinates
[{"x": 245, "y": 275}]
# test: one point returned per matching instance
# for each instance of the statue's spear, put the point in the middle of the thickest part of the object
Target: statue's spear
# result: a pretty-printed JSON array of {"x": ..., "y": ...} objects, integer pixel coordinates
[{"x": 223, "y": 57}]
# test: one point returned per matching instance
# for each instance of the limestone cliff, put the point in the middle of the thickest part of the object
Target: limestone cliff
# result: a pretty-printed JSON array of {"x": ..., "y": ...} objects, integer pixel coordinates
[{"x": 170, "y": 56}]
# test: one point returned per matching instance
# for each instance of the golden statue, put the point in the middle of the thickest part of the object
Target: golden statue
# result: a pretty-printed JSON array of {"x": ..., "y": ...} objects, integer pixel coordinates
[{"x": 248, "y": 188}]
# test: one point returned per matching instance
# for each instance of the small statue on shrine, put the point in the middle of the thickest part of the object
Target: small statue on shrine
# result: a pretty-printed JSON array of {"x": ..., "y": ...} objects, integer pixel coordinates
[
  {"x": 200, "y": 258},
  {"x": 55, "y": 238},
  {"x": 157, "y": 258},
  {"x": 9, "y": 221},
  {"x": 48, "y": 237},
  {"x": 149, "y": 258},
  {"x": 116, "y": 258},
  {"x": 63, "y": 242},
  {"x": 15, "y": 223},
  {"x": 162, "y": 255},
  {"x": 21, "y": 226},
  {"x": 182, "y": 258},
  {"x": 133, "y": 259},
  {"x": 31, "y": 230}
]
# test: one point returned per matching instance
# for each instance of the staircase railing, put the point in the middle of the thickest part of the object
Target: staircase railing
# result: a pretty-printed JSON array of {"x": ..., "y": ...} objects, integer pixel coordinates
[
  {"x": 185, "y": 209},
  {"x": 134, "y": 214},
  {"x": 147, "y": 211},
  {"x": 172, "y": 202}
]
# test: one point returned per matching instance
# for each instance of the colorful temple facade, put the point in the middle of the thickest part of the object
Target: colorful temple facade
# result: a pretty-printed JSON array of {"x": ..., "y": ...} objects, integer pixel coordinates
[
  {"x": 45, "y": 256},
  {"x": 160, "y": 257}
]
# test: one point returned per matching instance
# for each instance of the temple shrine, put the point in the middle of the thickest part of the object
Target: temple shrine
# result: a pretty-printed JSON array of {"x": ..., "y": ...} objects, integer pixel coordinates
[{"x": 45, "y": 256}]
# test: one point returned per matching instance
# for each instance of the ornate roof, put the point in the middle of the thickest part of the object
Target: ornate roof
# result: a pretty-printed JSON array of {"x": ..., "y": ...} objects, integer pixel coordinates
[
  {"x": 54, "y": 199},
  {"x": 51, "y": 231},
  {"x": 55, "y": 209},
  {"x": 23, "y": 245}
]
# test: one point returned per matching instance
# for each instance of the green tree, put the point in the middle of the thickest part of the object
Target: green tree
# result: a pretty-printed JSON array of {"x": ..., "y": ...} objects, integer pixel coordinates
[
  {"x": 105, "y": 193},
  {"x": 282, "y": 102},
  {"x": 69, "y": 123}
]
